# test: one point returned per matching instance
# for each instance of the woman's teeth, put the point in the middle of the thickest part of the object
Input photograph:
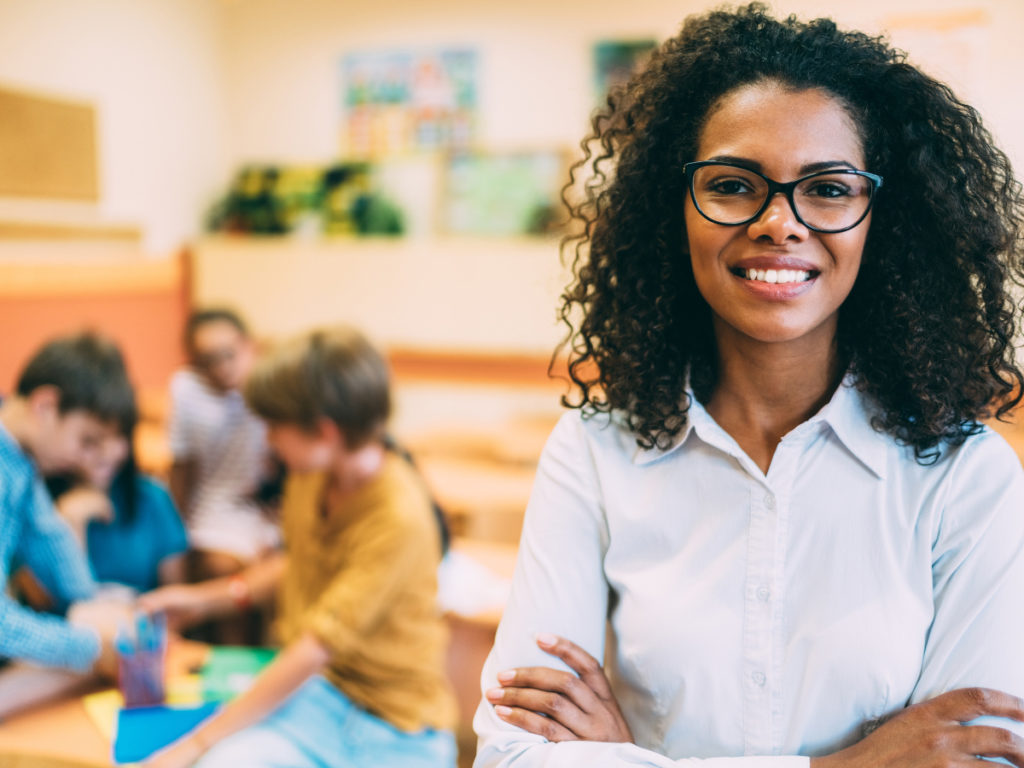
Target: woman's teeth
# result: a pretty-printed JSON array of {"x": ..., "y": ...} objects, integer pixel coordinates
[{"x": 777, "y": 275}]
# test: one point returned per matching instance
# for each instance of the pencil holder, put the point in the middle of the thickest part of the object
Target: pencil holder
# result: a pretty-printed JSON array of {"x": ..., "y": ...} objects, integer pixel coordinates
[{"x": 141, "y": 677}]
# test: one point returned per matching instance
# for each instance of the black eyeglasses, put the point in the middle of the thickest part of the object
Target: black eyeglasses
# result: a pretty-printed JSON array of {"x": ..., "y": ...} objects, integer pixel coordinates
[{"x": 828, "y": 201}]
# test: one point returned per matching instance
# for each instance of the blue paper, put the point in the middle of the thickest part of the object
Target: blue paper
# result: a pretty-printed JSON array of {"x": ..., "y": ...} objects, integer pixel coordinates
[{"x": 144, "y": 730}]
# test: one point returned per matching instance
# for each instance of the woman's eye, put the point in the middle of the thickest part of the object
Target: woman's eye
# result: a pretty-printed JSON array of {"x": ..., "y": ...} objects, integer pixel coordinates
[
  {"x": 728, "y": 187},
  {"x": 828, "y": 189}
]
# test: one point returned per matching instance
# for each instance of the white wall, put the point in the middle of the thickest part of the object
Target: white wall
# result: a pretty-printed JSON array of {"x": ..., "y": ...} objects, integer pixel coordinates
[
  {"x": 189, "y": 89},
  {"x": 153, "y": 70},
  {"x": 283, "y": 79},
  {"x": 283, "y": 60}
]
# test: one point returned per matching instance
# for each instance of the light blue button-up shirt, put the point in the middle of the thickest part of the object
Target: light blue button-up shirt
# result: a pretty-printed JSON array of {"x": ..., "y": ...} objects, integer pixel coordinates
[
  {"x": 761, "y": 619},
  {"x": 33, "y": 534}
]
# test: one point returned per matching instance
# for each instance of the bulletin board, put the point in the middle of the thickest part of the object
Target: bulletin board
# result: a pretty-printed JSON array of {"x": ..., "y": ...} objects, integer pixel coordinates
[{"x": 47, "y": 147}]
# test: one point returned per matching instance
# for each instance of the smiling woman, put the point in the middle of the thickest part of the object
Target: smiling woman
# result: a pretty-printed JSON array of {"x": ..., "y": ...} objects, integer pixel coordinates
[{"x": 774, "y": 514}]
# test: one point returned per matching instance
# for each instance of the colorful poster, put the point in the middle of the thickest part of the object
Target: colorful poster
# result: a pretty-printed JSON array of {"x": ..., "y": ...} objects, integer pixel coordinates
[
  {"x": 403, "y": 101},
  {"x": 615, "y": 61},
  {"x": 504, "y": 193}
]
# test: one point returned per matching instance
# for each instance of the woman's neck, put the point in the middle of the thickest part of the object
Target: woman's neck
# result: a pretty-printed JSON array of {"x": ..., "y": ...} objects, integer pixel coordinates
[{"x": 765, "y": 390}]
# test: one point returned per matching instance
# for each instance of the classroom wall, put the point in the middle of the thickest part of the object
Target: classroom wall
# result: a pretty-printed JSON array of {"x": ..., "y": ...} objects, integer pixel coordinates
[
  {"x": 283, "y": 80},
  {"x": 153, "y": 71},
  {"x": 186, "y": 90},
  {"x": 282, "y": 60}
]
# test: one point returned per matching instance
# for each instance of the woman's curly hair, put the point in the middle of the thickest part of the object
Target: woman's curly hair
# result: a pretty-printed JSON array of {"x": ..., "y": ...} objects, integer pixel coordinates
[{"x": 928, "y": 328}]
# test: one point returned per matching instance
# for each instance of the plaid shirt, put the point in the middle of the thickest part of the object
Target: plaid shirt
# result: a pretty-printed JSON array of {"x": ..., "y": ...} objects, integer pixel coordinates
[{"x": 32, "y": 534}]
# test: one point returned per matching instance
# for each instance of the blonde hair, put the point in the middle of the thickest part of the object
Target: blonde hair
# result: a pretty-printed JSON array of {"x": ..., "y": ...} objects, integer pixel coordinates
[{"x": 335, "y": 374}]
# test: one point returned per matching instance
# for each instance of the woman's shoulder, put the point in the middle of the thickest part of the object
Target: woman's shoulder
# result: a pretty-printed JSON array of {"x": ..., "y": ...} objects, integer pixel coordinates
[
  {"x": 603, "y": 434},
  {"x": 986, "y": 451}
]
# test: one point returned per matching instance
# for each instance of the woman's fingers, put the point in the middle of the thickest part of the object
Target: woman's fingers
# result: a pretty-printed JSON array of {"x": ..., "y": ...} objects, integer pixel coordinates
[
  {"x": 577, "y": 659},
  {"x": 553, "y": 682},
  {"x": 550, "y": 729},
  {"x": 965, "y": 704},
  {"x": 989, "y": 741},
  {"x": 583, "y": 705},
  {"x": 554, "y": 706}
]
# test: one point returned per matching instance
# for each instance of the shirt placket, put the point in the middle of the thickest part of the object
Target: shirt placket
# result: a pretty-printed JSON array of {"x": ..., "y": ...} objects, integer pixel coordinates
[
  {"x": 758, "y": 643},
  {"x": 763, "y": 603}
]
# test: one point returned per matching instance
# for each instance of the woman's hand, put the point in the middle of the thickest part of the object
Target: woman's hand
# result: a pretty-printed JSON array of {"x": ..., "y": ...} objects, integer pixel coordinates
[
  {"x": 931, "y": 734},
  {"x": 559, "y": 705}
]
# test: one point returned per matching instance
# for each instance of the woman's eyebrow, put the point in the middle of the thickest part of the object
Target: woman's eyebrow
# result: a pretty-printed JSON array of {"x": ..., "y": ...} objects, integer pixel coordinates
[
  {"x": 754, "y": 165},
  {"x": 825, "y": 166}
]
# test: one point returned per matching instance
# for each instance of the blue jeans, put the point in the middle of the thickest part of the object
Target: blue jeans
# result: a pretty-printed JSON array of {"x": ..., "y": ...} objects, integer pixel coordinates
[{"x": 318, "y": 727}]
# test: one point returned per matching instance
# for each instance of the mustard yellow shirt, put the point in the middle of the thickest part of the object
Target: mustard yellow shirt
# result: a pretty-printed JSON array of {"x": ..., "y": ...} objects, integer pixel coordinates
[{"x": 362, "y": 578}]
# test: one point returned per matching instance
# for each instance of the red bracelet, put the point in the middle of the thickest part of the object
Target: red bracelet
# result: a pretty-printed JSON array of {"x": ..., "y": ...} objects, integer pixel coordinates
[{"x": 239, "y": 592}]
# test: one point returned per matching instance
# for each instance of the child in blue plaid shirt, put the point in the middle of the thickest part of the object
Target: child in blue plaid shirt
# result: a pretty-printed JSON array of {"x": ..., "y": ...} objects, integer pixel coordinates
[{"x": 69, "y": 398}]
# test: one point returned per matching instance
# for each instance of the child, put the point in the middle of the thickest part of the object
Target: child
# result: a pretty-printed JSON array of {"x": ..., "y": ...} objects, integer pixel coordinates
[
  {"x": 219, "y": 447},
  {"x": 69, "y": 399},
  {"x": 126, "y": 520},
  {"x": 360, "y": 680}
]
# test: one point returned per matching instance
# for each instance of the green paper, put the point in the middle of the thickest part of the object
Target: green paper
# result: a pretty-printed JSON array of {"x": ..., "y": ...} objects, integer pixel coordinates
[{"x": 229, "y": 670}]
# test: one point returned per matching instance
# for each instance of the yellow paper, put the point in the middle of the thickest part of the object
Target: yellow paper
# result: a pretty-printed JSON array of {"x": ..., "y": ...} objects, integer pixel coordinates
[{"x": 102, "y": 707}]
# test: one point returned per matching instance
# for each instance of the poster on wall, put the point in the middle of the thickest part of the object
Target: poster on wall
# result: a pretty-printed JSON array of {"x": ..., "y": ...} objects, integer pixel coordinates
[
  {"x": 615, "y": 61},
  {"x": 397, "y": 102},
  {"x": 504, "y": 193}
]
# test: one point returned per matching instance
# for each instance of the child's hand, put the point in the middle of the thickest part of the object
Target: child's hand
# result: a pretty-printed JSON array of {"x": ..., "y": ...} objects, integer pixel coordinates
[
  {"x": 80, "y": 506},
  {"x": 104, "y": 617},
  {"x": 183, "y": 604},
  {"x": 180, "y": 754},
  {"x": 559, "y": 705}
]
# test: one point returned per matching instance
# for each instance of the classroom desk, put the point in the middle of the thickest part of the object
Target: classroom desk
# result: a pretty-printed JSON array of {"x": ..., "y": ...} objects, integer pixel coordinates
[{"x": 61, "y": 735}]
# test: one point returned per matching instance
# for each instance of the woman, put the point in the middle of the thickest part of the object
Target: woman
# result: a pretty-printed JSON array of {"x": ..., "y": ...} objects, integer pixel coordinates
[{"x": 789, "y": 314}]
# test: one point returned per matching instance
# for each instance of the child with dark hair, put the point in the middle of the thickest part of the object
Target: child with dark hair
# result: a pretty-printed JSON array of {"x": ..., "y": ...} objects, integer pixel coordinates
[
  {"x": 127, "y": 521},
  {"x": 361, "y": 678},
  {"x": 69, "y": 400},
  {"x": 219, "y": 447}
]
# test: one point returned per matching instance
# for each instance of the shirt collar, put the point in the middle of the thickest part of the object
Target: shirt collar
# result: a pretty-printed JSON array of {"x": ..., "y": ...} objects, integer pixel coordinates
[
  {"x": 846, "y": 414},
  {"x": 849, "y": 415}
]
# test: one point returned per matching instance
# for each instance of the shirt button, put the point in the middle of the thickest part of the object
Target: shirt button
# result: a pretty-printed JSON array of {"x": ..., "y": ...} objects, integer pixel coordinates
[
  {"x": 769, "y": 501},
  {"x": 763, "y": 593},
  {"x": 759, "y": 678}
]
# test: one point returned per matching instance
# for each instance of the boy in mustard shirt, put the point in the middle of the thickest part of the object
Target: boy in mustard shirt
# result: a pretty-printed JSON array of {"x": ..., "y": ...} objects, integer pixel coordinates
[{"x": 360, "y": 680}]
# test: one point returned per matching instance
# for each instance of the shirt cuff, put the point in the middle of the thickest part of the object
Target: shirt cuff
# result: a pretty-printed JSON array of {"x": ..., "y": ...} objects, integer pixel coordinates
[{"x": 83, "y": 646}]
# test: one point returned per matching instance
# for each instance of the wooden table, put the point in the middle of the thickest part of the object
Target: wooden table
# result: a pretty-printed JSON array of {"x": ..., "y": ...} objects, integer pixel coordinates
[{"x": 61, "y": 735}]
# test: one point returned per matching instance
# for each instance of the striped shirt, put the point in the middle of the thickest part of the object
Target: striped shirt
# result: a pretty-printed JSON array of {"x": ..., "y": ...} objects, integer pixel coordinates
[
  {"x": 225, "y": 439},
  {"x": 34, "y": 535}
]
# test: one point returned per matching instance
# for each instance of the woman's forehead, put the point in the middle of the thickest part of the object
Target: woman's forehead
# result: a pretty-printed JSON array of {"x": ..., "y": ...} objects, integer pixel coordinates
[{"x": 781, "y": 129}]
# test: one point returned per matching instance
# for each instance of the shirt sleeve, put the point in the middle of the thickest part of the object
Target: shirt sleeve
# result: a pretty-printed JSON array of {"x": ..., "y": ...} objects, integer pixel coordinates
[
  {"x": 43, "y": 639},
  {"x": 178, "y": 432},
  {"x": 51, "y": 552},
  {"x": 559, "y": 587},
  {"x": 48, "y": 548},
  {"x": 383, "y": 554},
  {"x": 168, "y": 528},
  {"x": 978, "y": 578}
]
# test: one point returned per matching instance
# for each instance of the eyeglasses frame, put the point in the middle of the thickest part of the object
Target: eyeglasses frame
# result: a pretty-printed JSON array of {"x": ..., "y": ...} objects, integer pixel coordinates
[{"x": 775, "y": 187}]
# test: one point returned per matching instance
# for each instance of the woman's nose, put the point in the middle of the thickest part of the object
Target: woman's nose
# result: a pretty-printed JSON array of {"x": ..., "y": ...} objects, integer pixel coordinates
[{"x": 777, "y": 223}]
